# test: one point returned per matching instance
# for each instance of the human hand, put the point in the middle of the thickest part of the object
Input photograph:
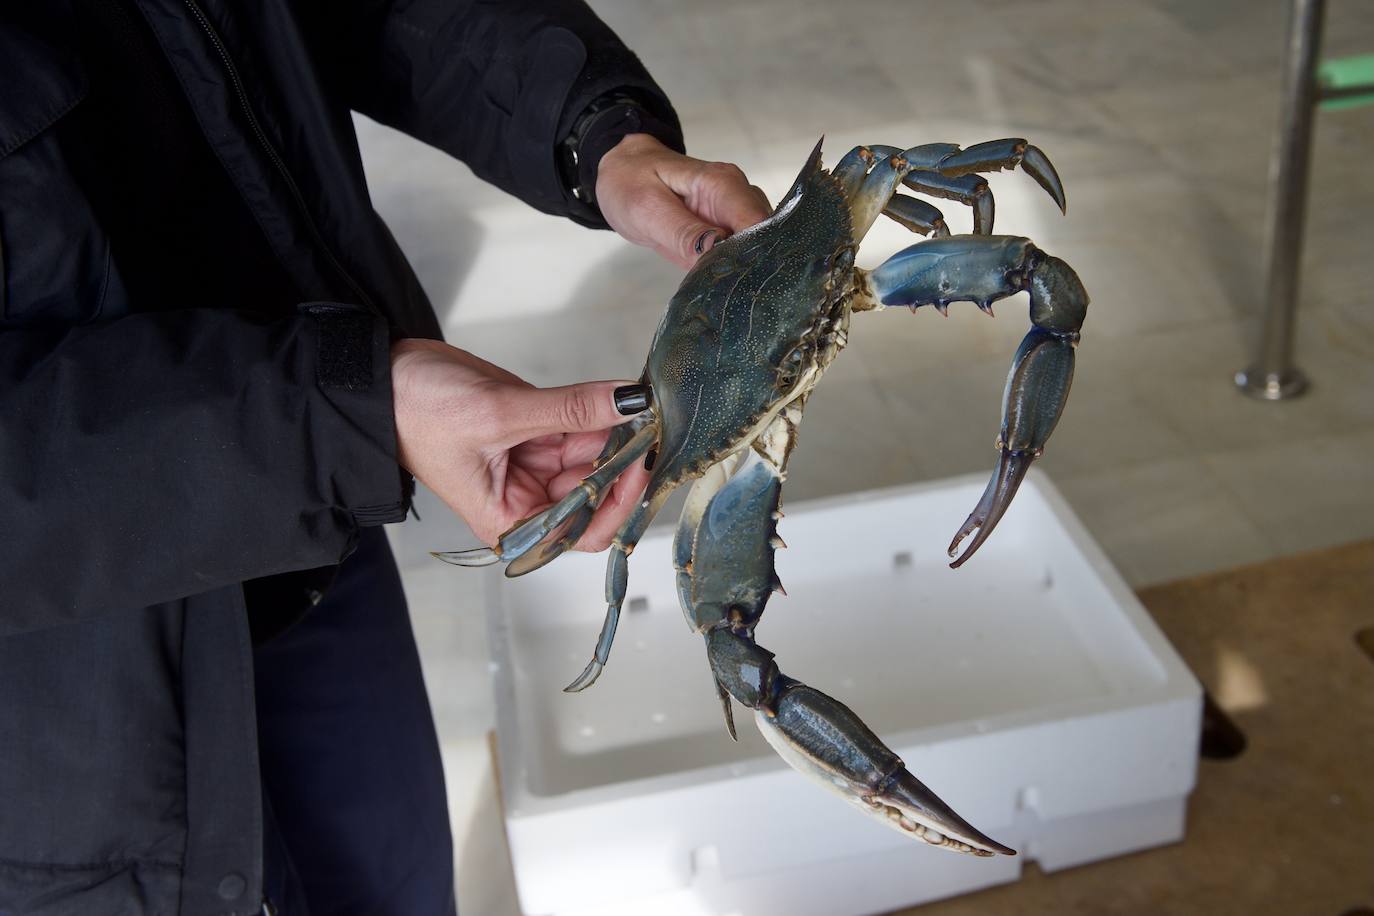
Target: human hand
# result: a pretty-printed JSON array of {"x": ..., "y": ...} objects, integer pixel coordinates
[
  {"x": 495, "y": 448},
  {"x": 659, "y": 198}
]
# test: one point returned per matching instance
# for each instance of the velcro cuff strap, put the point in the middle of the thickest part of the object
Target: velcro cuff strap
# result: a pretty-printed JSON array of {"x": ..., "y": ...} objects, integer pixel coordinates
[
  {"x": 607, "y": 132},
  {"x": 344, "y": 358}
]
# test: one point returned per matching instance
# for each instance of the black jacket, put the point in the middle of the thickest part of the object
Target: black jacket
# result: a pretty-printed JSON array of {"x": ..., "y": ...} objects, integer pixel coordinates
[{"x": 196, "y": 305}]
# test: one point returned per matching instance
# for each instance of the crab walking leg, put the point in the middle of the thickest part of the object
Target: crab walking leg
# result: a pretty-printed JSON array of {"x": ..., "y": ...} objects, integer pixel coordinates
[
  {"x": 617, "y": 582},
  {"x": 924, "y": 169},
  {"x": 916, "y": 215},
  {"x": 874, "y": 193},
  {"x": 970, "y": 190},
  {"x": 857, "y": 163},
  {"x": 526, "y": 534},
  {"x": 852, "y": 168},
  {"x": 925, "y": 156},
  {"x": 951, "y": 161},
  {"x": 571, "y": 531},
  {"x": 1006, "y": 154},
  {"x": 982, "y": 269},
  {"x": 724, "y": 555}
]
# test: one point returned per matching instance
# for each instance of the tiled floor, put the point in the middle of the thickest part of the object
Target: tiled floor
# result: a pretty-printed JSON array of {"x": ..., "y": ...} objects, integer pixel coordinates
[
  {"x": 1304, "y": 699},
  {"x": 1159, "y": 116}
]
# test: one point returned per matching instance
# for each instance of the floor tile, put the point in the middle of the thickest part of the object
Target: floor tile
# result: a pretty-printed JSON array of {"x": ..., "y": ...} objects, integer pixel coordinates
[
  {"x": 1303, "y": 495},
  {"x": 1166, "y": 519},
  {"x": 1252, "y": 41}
]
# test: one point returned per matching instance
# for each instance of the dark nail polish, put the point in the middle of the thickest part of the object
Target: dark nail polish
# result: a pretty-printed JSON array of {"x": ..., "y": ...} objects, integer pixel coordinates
[
  {"x": 706, "y": 240},
  {"x": 631, "y": 399}
]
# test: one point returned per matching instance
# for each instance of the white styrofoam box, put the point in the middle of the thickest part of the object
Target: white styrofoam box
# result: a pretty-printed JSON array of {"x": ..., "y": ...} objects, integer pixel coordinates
[{"x": 1029, "y": 689}]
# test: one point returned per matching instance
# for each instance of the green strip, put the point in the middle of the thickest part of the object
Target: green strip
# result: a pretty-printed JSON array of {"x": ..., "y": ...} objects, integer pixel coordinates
[{"x": 1347, "y": 71}]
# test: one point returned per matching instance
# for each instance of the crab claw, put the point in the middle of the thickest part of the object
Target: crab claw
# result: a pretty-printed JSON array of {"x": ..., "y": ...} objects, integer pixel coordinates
[
  {"x": 823, "y": 739},
  {"x": 1037, "y": 388},
  {"x": 1011, "y": 470}
]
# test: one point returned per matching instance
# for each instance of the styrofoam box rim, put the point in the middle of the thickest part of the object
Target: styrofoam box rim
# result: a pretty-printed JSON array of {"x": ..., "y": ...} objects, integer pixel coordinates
[{"x": 1177, "y": 684}]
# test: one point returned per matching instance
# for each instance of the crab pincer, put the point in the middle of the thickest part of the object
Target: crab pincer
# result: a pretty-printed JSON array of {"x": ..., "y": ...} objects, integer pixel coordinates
[
  {"x": 824, "y": 740},
  {"x": 1037, "y": 388},
  {"x": 724, "y": 557},
  {"x": 982, "y": 269}
]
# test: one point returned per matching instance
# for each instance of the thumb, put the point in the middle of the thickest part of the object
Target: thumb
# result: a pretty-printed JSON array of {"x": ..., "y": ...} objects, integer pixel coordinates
[
  {"x": 693, "y": 238},
  {"x": 585, "y": 407},
  {"x": 677, "y": 233},
  {"x": 689, "y": 239}
]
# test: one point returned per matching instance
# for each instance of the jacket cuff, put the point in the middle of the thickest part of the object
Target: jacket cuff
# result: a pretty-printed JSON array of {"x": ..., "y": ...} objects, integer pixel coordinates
[
  {"x": 605, "y": 123},
  {"x": 571, "y": 76},
  {"x": 357, "y": 437}
]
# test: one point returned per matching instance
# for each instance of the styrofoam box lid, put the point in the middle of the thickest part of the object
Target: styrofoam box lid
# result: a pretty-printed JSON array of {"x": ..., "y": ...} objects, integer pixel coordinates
[{"x": 1035, "y": 631}]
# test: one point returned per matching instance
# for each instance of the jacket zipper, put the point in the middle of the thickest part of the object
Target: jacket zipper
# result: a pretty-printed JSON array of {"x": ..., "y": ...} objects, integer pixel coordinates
[{"x": 272, "y": 155}]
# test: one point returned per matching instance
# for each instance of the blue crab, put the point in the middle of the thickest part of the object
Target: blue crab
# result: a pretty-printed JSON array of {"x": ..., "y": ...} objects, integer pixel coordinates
[{"x": 742, "y": 344}]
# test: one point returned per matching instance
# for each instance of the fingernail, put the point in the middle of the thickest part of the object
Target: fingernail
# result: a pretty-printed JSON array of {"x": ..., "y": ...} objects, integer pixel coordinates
[
  {"x": 706, "y": 240},
  {"x": 631, "y": 399}
]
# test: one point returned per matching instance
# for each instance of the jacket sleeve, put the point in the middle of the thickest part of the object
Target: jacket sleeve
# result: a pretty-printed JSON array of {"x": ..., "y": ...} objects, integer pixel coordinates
[
  {"x": 166, "y": 454},
  {"x": 497, "y": 85}
]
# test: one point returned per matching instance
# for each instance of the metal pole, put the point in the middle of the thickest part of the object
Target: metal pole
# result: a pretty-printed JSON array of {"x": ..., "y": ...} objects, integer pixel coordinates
[{"x": 1272, "y": 376}]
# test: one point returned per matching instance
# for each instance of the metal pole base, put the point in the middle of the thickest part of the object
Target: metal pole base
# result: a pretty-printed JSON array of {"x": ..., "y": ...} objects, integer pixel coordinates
[
  {"x": 1271, "y": 376},
  {"x": 1273, "y": 386}
]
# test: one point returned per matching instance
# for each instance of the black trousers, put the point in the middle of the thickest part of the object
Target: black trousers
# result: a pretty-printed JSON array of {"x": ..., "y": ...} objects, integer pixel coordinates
[{"x": 356, "y": 814}]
